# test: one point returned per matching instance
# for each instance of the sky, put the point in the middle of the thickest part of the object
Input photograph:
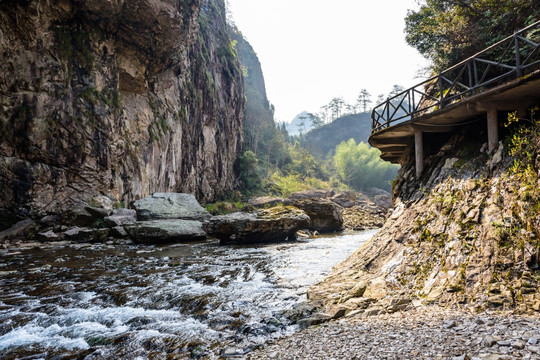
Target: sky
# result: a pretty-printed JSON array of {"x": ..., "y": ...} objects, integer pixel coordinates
[{"x": 314, "y": 50}]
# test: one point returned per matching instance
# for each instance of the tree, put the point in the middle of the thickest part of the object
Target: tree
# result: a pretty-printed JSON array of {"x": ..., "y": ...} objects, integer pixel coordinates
[
  {"x": 316, "y": 121},
  {"x": 360, "y": 166},
  {"x": 448, "y": 31},
  {"x": 336, "y": 107},
  {"x": 363, "y": 100}
]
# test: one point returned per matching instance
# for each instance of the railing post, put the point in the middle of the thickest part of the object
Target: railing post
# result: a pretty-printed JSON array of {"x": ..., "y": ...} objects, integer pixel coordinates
[
  {"x": 387, "y": 112},
  {"x": 471, "y": 83},
  {"x": 441, "y": 91},
  {"x": 518, "y": 55},
  {"x": 419, "y": 152}
]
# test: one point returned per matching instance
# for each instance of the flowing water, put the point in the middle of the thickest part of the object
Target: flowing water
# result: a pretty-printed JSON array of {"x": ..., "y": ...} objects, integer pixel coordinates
[{"x": 123, "y": 301}]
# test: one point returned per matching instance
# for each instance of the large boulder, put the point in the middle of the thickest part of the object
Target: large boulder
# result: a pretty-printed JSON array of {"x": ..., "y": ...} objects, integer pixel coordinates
[
  {"x": 121, "y": 217},
  {"x": 325, "y": 215},
  {"x": 345, "y": 199},
  {"x": 312, "y": 194},
  {"x": 22, "y": 230},
  {"x": 166, "y": 231},
  {"x": 162, "y": 206},
  {"x": 279, "y": 223}
]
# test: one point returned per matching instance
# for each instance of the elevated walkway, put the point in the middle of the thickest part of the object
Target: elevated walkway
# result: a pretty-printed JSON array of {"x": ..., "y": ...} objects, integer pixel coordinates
[{"x": 503, "y": 77}]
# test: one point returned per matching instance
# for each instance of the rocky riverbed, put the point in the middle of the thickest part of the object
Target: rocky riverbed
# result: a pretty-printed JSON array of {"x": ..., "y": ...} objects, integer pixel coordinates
[{"x": 420, "y": 333}]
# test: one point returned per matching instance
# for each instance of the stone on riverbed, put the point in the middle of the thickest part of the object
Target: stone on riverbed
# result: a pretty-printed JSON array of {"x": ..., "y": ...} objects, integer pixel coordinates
[
  {"x": 325, "y": 215},
  {"x": 269, "y": 225},
  {"x": 162, "y": 206},
  {"x": 166, "y": 231},
  {"x": 20, "y": 231},
  {"x": 121, "y": 217}
]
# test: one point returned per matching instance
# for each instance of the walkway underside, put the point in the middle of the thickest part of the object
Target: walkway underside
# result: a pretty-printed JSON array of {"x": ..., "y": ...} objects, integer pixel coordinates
[{"x": 515, "y": 95}]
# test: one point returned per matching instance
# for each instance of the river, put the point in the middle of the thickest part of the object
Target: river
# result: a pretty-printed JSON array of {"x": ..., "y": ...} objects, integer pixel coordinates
[{"x": 125, "y": 301}]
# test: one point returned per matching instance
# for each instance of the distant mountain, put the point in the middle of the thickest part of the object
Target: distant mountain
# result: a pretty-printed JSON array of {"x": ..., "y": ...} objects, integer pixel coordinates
[
  {"x": 324, "y": 139},
  {"x": 295, "y": 127}
]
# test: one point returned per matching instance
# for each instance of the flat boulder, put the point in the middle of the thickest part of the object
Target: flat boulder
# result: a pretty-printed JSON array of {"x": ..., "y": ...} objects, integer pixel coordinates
[
  {"x": 325, "y": 215},
  {"x": 312, "y": 194},
  {"x": 165, "y": 231},
  {"x": 279, "y": 223},
  {"x": 163, "y": 206}
]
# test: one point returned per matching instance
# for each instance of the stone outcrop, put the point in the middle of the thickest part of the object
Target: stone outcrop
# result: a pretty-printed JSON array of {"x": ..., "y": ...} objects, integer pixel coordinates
[
  {"x": 117, "y": 98},
  {"x": 170, "y": 206},
  {"x": 164, "y": 231},
  {"x": 269, "y": 225},
  {"x": 325, "y": 215},
  {"x": 464, "y": 233}
]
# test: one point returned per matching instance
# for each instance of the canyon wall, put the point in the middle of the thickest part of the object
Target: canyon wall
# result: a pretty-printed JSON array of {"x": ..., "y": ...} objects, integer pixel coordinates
[{"x": 117, "y": 98}]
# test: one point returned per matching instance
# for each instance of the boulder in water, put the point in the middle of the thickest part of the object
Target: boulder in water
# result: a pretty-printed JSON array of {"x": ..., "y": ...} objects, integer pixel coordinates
[
  {"x": 279, "y": 223},
  {"x": 121, "y": 217},
  {"x": 163, "y": 206},
  {"x": 325, "y": 215},
  {"x": 166, "y": 231}
]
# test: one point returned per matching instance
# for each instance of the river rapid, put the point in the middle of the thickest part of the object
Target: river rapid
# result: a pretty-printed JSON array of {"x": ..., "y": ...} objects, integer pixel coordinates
[{"x": 125, "y": 301}]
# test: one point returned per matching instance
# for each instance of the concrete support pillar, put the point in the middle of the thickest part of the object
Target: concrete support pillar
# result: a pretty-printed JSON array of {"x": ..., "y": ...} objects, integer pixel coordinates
[
  {"x": 522, "y": 112},
  {"x": 419, "y": 152},
  {"x": 492, "y": 128}
]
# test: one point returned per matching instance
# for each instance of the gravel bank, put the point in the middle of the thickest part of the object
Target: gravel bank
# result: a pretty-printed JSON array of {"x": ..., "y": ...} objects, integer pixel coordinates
[{"x": 425, "y": 333}]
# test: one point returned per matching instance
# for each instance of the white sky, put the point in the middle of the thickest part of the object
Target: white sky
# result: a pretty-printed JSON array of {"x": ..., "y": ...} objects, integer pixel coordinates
[{"x": 314, "y": 50}]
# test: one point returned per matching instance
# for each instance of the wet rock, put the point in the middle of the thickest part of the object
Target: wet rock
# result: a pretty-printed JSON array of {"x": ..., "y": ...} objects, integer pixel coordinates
[
  {"x": 265, "y": 202},
  {"x": 48, "y": 236},
  {"x": 22, "y": 230},
  {"x": 325, "y": 215},
  {"x": 279, "y": 223},
  {"x": 300, "y": 311},
  {"x": 121, "y": 217},
  {"x": 164, "y": 231},
  {"x": 81, "y": 234},
  {"x": 118, "y": 232},
  {"x": 315, "y": 319},
  {"x": 163, "y": 206}
]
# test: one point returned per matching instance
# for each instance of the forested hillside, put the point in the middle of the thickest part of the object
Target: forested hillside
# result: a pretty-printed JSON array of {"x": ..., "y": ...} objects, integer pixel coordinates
[{"x": 322, "y": 140}]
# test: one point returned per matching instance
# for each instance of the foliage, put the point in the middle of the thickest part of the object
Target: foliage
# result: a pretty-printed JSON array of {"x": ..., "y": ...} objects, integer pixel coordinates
[
  {"x": 523, "y": 144},
  {"x": 448, "y": 31},
  {"x": 361, "y": 167},
  {"x": 248, "y": 170},
  {"x": 224, "y": 207},
  {"x": 285, "y": 185}
]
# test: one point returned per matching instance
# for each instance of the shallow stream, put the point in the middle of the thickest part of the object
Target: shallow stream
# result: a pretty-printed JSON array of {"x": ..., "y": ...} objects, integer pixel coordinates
[{"x": 123, "y": 301}]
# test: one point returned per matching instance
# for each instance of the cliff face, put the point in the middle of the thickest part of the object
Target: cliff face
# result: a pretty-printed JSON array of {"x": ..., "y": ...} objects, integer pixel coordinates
[
  {"x": 467, "y": 232},
  {"x": 119, "y": 98}
]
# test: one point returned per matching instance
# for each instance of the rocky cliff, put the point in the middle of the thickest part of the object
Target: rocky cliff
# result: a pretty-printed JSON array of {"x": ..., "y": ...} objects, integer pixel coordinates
[
  {"x": 467, "y": 232},
  {"x": 119, "y": 98}
]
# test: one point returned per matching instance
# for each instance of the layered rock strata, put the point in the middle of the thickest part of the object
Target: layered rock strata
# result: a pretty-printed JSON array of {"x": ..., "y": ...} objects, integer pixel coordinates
[
  {"x": 465, "y": 233},
  {"x": 118, "y": 98}
]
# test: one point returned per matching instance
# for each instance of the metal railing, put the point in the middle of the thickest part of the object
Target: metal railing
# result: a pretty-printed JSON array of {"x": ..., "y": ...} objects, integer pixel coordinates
[{"x": 508, "y": 59}]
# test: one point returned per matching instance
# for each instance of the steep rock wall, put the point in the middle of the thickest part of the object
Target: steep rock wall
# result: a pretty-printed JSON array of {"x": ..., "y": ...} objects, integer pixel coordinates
[
  {"x": 467, "y": 232},
  {"x": 119, "y": 98}
]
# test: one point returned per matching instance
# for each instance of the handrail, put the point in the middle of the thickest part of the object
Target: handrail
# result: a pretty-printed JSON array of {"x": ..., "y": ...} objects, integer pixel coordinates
[{"x": 471, "y": 76}]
